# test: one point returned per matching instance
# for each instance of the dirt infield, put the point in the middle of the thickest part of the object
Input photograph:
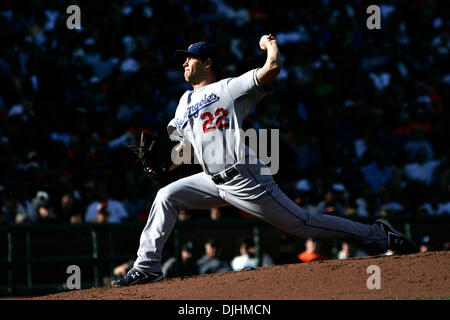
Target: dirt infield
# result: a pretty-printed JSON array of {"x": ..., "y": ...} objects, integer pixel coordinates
[{"x": 423, "y": 275}]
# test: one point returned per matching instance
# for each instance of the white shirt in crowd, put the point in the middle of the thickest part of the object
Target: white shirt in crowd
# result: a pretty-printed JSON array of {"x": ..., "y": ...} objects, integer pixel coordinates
[
  {"x": 422, "y": 172},
  {"x": 116, "y": 210},
  {"x": 244, "y": 262}
]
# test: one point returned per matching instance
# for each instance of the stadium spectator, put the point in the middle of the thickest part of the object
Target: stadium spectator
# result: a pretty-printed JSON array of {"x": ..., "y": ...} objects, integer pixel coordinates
[
  {"x": 44, "y": 209},
  {"x": 430, "y": 205},
  {"x": 215, "y": 214},
  {"x": 13, "y": 212},
  {"x": 184, "y": 266},
  {"x": 247, "y": 258},
  {"x": 184, "y": 215},
  {"x": 211, "y": 261},
  {"x": 311, "y": 252},
  {"x": 425, "y": 244},
  {"x": 303, "y": 195},
  {"x": 348, "y": 250},
  {"x": 331, "y": 204},
  {"x": 419, "y": 143},
  {"x": 392, "y": 201},
  {"x": 377, "y": 173},
  {"x": 422, "y": 168},
  {"x": 70, "y": 209},
  {"x": 105, "y": 209},
  {"x": 72, "y": 100},
  {"x": 134, "y": 205}
]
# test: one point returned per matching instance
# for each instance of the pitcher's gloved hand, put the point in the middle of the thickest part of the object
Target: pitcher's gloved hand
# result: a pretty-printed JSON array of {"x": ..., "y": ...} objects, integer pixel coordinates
[{"x": 154, "y": 153}]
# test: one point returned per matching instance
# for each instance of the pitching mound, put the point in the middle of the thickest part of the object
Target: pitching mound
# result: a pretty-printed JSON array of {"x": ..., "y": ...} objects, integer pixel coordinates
[{"x": 423, "y": 275}]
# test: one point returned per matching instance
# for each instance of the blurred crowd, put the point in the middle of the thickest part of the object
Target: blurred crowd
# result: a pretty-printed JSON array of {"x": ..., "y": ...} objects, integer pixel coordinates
[
  {"x": 363, "y": 114},
  {"x": 195, "y": 259}
]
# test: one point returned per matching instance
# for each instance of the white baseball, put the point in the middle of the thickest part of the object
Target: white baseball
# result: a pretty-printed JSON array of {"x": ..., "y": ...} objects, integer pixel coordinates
[{"x": 262, "y": 41}]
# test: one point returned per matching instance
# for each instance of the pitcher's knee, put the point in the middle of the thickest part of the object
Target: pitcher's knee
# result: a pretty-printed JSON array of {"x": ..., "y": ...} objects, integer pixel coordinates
[
  {"x": 164, "y": 203},
  {"x": 163, "y": 194},
  {"x": 167, "y": 194}
]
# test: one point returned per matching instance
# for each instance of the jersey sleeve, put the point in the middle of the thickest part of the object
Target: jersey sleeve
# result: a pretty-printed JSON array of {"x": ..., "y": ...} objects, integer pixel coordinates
[
  {"x": 246, "y": 86},
  {"x": 174, "y": 133}
]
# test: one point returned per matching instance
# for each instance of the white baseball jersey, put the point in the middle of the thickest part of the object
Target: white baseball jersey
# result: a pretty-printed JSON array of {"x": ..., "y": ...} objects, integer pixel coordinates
[
  {"x": 210, "y": 118},
  {"x": 216, "y": 110}
]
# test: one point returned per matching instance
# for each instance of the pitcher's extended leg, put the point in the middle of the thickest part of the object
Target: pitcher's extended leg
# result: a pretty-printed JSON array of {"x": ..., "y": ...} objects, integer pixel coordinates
[{"x": 274, "y": 207}]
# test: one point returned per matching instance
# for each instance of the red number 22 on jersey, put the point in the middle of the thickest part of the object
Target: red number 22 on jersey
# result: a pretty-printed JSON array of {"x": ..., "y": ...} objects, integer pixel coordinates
[{"x": 221, "y": 115}]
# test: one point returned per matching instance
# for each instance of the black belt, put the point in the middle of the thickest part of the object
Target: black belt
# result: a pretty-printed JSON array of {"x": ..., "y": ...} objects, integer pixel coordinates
[{"x": 229, "y": 174}]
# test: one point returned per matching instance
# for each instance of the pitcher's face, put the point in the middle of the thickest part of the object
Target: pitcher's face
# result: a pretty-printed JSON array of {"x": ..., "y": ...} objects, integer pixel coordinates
[{"x": 193, "y": 70}]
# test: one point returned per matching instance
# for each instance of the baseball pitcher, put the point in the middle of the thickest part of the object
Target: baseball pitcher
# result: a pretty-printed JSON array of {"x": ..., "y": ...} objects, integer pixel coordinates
[{"x": 208, "y": 119}]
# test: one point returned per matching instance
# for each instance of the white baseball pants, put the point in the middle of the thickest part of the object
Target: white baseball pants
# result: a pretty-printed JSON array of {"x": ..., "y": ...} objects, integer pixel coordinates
[{"x": 249, "y": 191}]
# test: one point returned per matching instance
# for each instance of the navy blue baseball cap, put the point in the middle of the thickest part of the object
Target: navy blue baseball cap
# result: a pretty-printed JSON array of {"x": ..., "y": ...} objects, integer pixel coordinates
[{"x": 199, "y": 49}]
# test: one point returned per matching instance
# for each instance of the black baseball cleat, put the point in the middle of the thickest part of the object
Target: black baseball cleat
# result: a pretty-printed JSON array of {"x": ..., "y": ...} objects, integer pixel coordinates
[
  {"x": 135, "y": 276},
  {"x": 398, "y": 242}
]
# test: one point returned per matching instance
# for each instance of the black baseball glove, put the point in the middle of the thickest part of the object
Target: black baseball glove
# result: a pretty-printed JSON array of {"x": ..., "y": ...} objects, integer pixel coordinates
[{"x": 154, "y": 153}]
